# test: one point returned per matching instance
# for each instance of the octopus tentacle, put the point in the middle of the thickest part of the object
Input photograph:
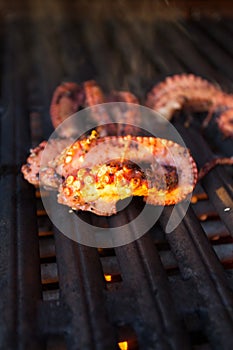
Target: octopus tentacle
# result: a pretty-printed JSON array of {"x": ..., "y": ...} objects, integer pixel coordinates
[
  {"x": 69, "y": 97},
  {"x": 127, "y": 116},
  {"x": 212, "y": 164},
  {"x": 192, "y": 92},
  {"x": 185, "y": 89},
  {"x": 122, "y": 96},
  {"x": 66, "y": 100},
  {"x": 172, "y": 172},
  {"x": 225, "y": 122},
  {"x": 93, "y": 94},
  {"x": 104, "y": 170},
  {"x": 32, "y": 169}
]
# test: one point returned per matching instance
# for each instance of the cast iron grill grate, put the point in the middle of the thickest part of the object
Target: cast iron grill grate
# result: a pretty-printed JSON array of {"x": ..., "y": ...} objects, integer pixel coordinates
[{"x": 161, "y": 292}]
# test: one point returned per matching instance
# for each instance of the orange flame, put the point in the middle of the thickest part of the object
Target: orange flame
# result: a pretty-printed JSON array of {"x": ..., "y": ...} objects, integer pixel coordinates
[
  {"x": 108, "y": 278},
  {"x": 123, "y": 345}
]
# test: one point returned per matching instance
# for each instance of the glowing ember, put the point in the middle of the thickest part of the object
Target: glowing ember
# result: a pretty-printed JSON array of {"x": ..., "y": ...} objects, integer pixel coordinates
[
  {"x": 123, "y": 345},
  {"x": 108, "y": 278}
]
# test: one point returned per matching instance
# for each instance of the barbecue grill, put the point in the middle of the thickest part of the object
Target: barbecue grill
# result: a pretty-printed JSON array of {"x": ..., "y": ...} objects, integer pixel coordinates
[{"x": 163, "y": 291}]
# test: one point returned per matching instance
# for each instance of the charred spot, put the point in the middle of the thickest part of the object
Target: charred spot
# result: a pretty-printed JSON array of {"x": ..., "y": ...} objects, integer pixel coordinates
[
  {"x": 27, "y": 168},
  {"x": 118, "y": 163},
  {"x": 111, "y": 178},
  {"x": 69, "y": 93},
  {"x": 58, "y": 99},
  {"x": 131, "y": 165},
  {"x": 171, "y": 177}
]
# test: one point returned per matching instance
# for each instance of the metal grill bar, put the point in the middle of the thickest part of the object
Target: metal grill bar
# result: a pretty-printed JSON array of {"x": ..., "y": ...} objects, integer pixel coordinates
[
  {"x": 20, "y": 284},
  {"x": 82, "y": 290},
  {"x": 217, "y": 183},
  {"x": 145, "y": 279},
  {"x": 198, "y": 263}
]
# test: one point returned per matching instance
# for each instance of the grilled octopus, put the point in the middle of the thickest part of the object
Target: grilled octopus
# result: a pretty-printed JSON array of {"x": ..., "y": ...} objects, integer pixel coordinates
[
  {"x": 93, "y": 173},
  {"x": 114, "y": 168},
  {"x": 196, "y": 94},
  {"x": 69, "y": 97}
]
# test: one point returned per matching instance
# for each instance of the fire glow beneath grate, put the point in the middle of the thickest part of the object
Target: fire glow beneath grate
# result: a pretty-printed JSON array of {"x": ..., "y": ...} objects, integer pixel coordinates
[
  {"x": 108, "y": 278},
  {"x": 123, "y": 345}
]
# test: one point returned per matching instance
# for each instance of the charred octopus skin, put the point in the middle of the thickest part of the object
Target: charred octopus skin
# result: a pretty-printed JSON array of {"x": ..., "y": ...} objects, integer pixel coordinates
[
  {"x": 114, "y": 168},
  {"x": 187, "y": 91},
  {"x": 94, "y": 173},
  {"x": 66, "y": 100},
  {"x": 127, "y": 115},
  {"x": 69, "y": 97},
  {"x": 32, "y": 170}
]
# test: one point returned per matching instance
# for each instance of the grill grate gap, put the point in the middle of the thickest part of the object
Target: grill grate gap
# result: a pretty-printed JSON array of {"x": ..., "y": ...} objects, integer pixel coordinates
[
  {"x": 127, "y": 338},
  {"x": 48, "y": 265}
]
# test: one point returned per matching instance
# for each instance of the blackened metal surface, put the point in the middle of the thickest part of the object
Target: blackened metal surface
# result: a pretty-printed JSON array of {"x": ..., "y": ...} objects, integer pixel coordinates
[
  {"x": 198, "y": 263},
  {"x": 163, "y": 291},
  {"x": 218, "y": 183},
  {"x": 82, "y": 290},
  {"x": 20, "y": 283}
]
